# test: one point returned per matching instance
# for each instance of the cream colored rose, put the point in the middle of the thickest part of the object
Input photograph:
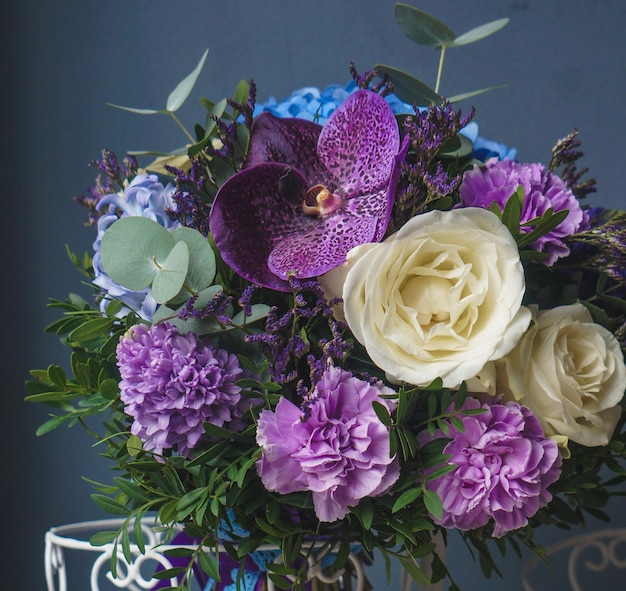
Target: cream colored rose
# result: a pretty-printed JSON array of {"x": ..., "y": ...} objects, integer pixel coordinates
[
  {"x": 439, "y": 298},
  {"x": 570, "y": 372}
]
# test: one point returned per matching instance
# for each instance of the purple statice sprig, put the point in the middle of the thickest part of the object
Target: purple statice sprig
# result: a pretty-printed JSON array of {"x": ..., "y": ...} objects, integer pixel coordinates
[
  {"x": 192, "y": 195},
  {"x": 383, "y": 87},
  {"x": 233, "y": 133},
  {"x": 425, "y": 179},
  {"x": 306, "y": 332},
  {"x": 114, "y": 176},
  {"x": 565, "y": 156}
]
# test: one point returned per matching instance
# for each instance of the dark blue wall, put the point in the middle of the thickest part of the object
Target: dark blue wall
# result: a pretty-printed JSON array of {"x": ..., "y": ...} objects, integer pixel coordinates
[{"x": 562, "y": 62}]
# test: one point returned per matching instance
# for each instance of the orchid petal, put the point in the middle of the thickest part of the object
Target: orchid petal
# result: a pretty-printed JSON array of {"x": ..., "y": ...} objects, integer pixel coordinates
[
  {"x": 318, "y": 248},
  {"x": 249, "y": 216},
  {"x": 290, "y": 141},
  {"x": 359, "y": 143}
]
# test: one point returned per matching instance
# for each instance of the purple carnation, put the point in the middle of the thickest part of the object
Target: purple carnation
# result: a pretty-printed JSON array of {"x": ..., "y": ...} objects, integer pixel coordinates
[
  {"x": 497, "y": 180},
  {"x": 173, "y": 383},
  {"x": 504, "y": 465},
  {"x": 335, "y": 446}
]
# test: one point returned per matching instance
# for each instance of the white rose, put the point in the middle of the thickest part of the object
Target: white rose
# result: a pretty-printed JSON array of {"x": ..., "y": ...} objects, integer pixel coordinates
[
  {"x": 570, "y": 371},
  {"x": 439, "y": 298}
]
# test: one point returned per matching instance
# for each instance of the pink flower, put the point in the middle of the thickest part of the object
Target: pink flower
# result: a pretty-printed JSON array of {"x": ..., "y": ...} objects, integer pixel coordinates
[
  {"x": 497, "y": 180},
  {"x": 334, "y": 446},
  {"x": 504, "y": 465}
]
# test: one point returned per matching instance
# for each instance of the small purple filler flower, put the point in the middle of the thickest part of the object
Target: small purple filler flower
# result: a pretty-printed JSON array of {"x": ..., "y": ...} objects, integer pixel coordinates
[
  {"x": 307, "y": 193},
  {"x": 504, "y": 465},
  {"x": 497, "y": 180},
  {"x": 335, "y": 446},
  {"x": 173, "y": 383}
]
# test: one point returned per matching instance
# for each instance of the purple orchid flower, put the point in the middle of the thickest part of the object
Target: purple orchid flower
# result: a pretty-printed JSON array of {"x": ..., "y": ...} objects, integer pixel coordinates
[{"x": 308, "y": 194}]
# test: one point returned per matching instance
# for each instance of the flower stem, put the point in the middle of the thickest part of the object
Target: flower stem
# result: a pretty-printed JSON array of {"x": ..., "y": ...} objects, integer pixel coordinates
[
  {"x": 178, "y": 122},
  {"x": 442, "y": 57}
]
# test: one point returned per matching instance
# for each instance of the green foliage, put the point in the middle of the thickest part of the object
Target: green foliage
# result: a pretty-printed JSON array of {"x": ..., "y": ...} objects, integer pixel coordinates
[{"x": 424, "y": 29}]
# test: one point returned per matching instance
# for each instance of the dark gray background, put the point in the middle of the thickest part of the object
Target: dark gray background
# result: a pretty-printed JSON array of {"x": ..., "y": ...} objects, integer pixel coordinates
[{"x": 562, "y": 62}]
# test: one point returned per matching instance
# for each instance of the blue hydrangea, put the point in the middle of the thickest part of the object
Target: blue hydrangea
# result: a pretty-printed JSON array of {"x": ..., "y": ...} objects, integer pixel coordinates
[
  {"x": 317, "y": 105},
  {"x": 145, "y": 196}
]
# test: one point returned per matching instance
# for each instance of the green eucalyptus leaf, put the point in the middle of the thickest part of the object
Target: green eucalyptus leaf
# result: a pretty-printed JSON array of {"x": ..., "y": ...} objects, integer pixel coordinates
[
  {"x": 422, "y": 28},
  {"x": 472, "y": 93},
  {"x": 137, "y": 111},
  {"x": 131, "y": 248},
  {"x": 407, "y": 87},
  {"x": 259, "y": 311},
  {"x": 171, "y": 273},
  {"x": 457, "y": 146},
  {"x": 179, "y": 95},
  {"x": 241, "y": 92},
  {"x": 480, "y": 32},
  {"x": 201, "y": 270}
]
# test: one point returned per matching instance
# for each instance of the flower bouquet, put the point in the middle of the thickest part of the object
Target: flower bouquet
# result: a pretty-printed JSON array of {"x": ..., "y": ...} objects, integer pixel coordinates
[{"x": 344, "y": 323}]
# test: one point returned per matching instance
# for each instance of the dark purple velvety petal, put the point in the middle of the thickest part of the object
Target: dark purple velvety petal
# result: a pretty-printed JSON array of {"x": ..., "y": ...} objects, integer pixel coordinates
[
  {"x": 251, "y": 214},
  {"x": 290, "y": 141},
  {"x": 312, "y": 251},
  {"x": 359, "y": 143}
]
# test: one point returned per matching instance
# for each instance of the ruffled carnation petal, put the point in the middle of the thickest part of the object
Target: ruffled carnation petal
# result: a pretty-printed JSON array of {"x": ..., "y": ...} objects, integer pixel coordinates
[
  {"x": 173, "y": 383},
  {"x": 336, "y": 447},
  {"x": 503, "y": 468}
]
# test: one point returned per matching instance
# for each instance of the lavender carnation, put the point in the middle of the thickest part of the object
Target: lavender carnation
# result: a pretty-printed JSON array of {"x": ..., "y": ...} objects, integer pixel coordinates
[
  {"x": 173, "y": 383},
  {"x": 497, "y": 180},
  {"x": 335, "y": 446},
  {"x": 504, "y": 465}
]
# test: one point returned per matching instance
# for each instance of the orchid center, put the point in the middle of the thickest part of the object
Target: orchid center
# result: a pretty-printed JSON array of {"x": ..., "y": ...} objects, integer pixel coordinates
[{"x": 320, "y": 201}]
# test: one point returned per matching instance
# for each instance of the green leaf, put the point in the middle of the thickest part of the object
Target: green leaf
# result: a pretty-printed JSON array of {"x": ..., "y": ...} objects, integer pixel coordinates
[
  {"x": 442, "y": 471},
  {"x": 241, "y": 92},
  {"x": 109, "y": 389},
  {"x": 408, "y": 88},
  {"x": 201, "y": 270},
  {"x": 209, "y": 565},
  {"x": 56, "y": 375},
  {"x": 179, "y": 95},
  {"x": 188, "y": 503},
  {"x": 457, "y": 98},
  {"x": 433, "y": 503},
  {"x": 134, "y": 446},
  {"x": 171, "y": 273},
  {"x": 406, "y": 498},
  {"x": 131, "y": 248},
  {"x": 480, "y": 32},
  {"x": 137, "y": 111},
  {"x": 102, "y": 538},
  {"x": 422, "y": 28},
  {"x": 382, "y": 412},
  {"x": 130, "y": 489},
  {"x": 109, "y": 505},
  {"x": 91, "y": 330},
  {"x": 259, "y": 311}
]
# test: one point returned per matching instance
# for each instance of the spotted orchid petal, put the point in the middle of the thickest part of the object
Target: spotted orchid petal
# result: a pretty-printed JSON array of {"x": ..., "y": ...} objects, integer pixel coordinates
[{"x": 308, "y": 194}]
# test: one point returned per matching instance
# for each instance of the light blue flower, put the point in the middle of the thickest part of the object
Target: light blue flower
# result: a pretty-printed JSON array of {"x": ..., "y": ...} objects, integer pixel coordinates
[
  {"x": 145, "y": 196},
  {"x": 317, "y": 105},
  {"x": 483, "y": 149}
]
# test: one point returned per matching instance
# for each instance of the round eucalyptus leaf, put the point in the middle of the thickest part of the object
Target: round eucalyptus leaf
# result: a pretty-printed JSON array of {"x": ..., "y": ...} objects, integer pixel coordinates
[
  {"x": 201, "y": 271},
  {"x": 421, "y": 27},
  {"x": 131, "y": 248},
  {"x": 258, "y": 311},
  {"x": 171, "y": 273}
]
